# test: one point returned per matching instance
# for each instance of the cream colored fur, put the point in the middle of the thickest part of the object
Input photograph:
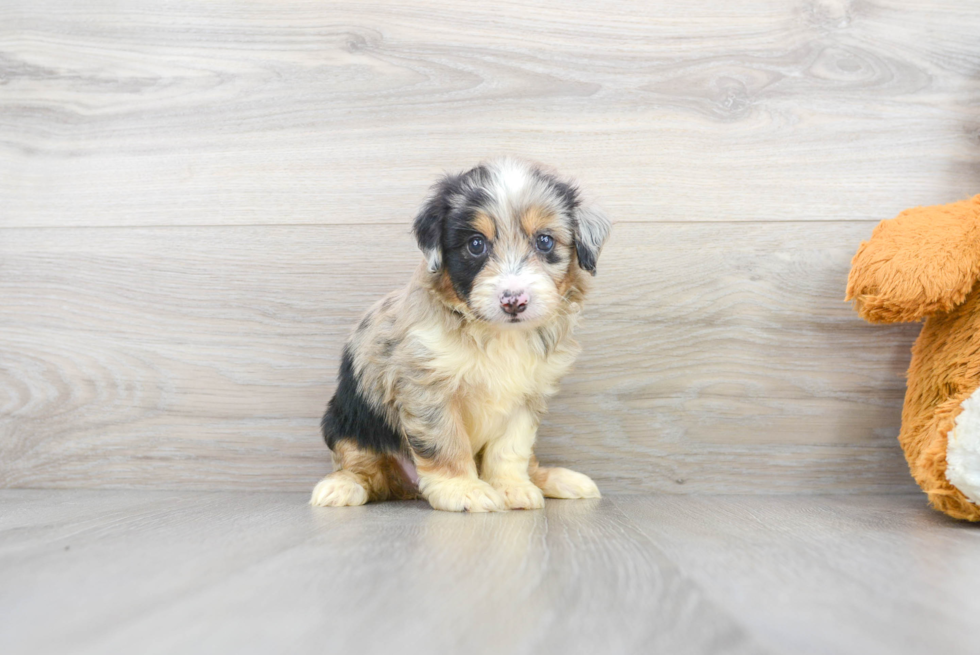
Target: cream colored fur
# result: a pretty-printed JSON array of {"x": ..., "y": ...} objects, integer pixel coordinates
[
  {"x": 339, "y": 489},
  {"x": 563, "y": 483}
]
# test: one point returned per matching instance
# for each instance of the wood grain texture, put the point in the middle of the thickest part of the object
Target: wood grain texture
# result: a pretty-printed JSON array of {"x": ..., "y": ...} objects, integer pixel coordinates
[
  {"x": 833, "y": 574},
  {"x": 716, "y": 358},
  {"x": 123, "y": 572},
  {"x": 299, "y": 111},
  {"x": 198, "y": 199}
]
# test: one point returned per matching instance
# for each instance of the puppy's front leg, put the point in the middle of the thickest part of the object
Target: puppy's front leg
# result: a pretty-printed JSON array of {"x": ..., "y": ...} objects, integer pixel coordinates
[
  {"x": 506, "y": 460},
  {"x": 444, "y": 461}
]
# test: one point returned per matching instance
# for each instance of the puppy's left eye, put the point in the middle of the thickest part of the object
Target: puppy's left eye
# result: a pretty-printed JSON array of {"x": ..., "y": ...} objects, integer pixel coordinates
[{"x": 545, "y": 242}]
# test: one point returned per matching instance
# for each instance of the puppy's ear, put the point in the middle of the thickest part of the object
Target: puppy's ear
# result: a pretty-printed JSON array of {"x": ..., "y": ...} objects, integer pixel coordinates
[
  {"x": 591, "y": 229},
  {"x": 430, "y": 222}
]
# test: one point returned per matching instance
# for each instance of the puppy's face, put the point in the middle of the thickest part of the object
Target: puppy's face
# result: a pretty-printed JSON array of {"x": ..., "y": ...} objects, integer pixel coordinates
[{"x": 506, "y": 241}]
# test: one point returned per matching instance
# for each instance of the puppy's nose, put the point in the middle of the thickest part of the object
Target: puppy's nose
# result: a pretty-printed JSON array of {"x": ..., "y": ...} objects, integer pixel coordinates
[{"x": 513, "y": 302}]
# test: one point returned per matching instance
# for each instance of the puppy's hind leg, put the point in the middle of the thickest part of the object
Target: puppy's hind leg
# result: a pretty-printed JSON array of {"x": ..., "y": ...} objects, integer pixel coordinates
[
  {"x": 361, "y": 476},
  {"x": 561, "y": 482}
]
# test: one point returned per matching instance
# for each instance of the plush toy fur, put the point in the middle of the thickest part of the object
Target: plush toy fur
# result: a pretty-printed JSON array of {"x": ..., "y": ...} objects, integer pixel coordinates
[{"x": 924, "y": 264}]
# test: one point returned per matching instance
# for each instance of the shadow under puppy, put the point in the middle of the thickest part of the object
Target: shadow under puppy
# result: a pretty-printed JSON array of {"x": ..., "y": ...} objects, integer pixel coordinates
[{"x": 451, "y": 373}]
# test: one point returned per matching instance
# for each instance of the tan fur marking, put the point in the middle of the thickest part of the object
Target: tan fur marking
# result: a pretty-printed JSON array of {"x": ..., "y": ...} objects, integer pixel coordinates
[
  {"x": 535, "y": 219},
  {"x": 443, "y": 288},
  {"x": 380, "y": 475},
  {"x": 486, "y": 225},
  {"x": 444, "y": 468},
  {"x": 538, "y": 475},
  {"x": 571, "y": 280}
]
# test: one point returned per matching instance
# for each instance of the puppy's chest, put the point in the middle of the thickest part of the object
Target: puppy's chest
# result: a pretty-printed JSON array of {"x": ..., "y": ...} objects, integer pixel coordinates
[{"x": 502, "y": 374}]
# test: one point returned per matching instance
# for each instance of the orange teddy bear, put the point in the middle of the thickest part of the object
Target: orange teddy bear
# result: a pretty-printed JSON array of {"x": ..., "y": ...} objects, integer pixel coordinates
[{"x": 924, "y": 264}]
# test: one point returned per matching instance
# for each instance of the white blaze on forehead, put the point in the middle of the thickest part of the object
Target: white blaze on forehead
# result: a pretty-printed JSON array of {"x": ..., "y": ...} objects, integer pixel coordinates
[
  {"x": 513, "y": 178},
  {"x": 509, "y": 183},
  {"x": 963, "y": 449}
]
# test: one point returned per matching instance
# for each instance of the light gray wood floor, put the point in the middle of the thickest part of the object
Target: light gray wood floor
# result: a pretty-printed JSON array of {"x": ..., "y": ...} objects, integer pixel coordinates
[{"x": 154, "y": 571}]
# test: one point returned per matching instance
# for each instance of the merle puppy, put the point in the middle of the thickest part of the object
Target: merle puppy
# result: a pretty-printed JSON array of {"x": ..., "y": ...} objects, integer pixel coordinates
[{"x": 443, "y": 383}]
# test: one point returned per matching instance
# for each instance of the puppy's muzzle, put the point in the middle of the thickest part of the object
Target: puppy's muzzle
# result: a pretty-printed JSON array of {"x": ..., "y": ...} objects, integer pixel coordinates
[{"x": 514, "y": 302}]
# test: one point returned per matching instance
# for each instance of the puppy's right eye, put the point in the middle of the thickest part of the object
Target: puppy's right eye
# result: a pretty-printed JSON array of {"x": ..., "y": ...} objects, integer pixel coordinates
[{"x": 477, "y": 246}]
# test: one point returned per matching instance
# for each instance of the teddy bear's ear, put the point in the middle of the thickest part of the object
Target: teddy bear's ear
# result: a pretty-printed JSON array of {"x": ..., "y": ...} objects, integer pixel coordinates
[
  {"x": 591, "y": 230},
  {"x": 924, "y": 261}
]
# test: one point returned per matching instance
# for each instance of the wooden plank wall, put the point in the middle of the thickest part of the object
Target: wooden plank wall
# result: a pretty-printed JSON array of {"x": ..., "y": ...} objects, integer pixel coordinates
[{"x": 198, "y": 199}]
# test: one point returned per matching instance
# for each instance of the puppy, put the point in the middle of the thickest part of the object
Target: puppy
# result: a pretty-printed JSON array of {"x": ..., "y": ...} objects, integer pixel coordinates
[{"x": 446, "y": 379}]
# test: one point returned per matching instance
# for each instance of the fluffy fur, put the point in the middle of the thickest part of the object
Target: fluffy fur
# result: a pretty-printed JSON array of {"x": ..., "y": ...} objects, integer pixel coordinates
[
  {"x": 445, "y": 380},
  {"x": 925, "y": 264}
]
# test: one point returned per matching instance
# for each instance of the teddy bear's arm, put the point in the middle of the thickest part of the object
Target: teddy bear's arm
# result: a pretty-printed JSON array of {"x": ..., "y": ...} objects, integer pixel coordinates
[{"x": 924, "y": 261}]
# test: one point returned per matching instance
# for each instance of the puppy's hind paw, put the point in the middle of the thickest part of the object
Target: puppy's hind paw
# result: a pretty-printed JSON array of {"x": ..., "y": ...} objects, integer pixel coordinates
[
  {"x": 339, "y": 489},
  {"x": 565, "y": 483}
]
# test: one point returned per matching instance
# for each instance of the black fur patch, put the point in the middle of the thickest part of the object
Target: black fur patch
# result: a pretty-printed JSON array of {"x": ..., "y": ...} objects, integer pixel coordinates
[
  {"x": 440, "y": 225},
  {"x": 350, "y": 416},
  {"x": 586, "y": 257},
  {"x": 423, "y": 449},
  {"x": 430, "y": 224},
  {"x": 388, "y": 347},
  {"x": 365, "y": 322},
  {"x": 567, "y": 192},
  {"x": 462, "y": 266}
]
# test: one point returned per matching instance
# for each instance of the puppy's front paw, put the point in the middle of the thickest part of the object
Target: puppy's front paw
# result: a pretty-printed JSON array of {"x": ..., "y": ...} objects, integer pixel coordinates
[
  {"x": 339, "y": 489},
  {"x": 462, "y": 495},
  {"x": 565, "y": 483},
  {"x": 522, "y": 495}
]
